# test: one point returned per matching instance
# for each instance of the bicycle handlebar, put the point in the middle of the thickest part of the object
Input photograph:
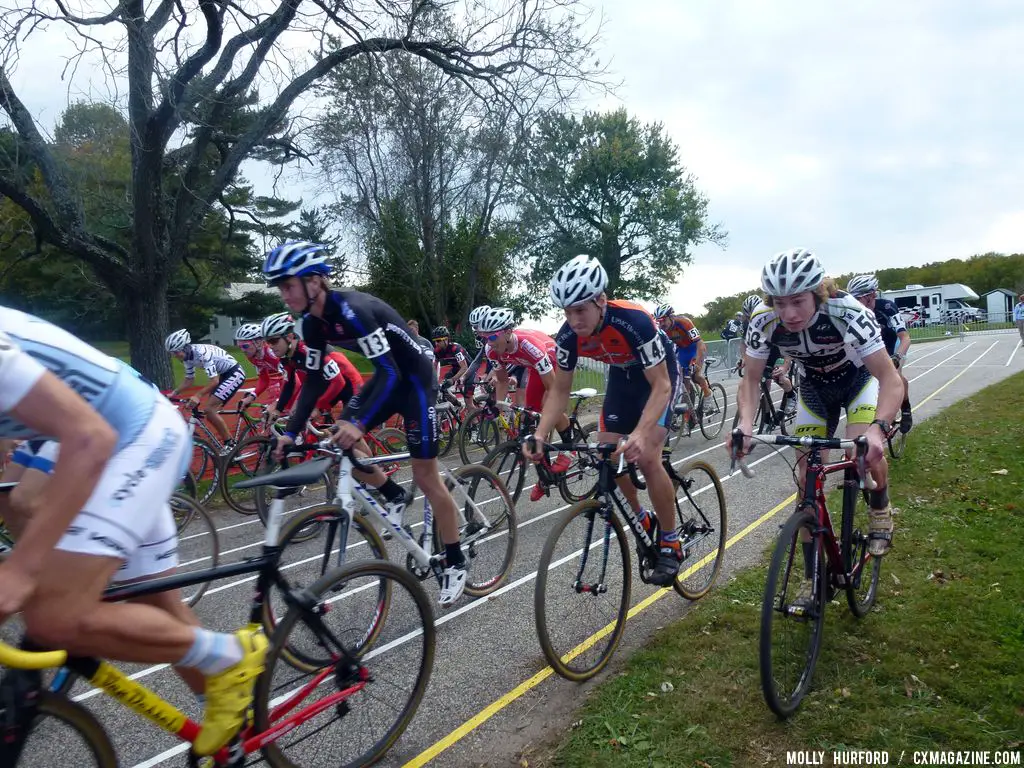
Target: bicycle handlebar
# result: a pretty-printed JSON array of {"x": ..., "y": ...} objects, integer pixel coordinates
[
  {"x": 16, "y": 658},
  {"x": 860, "y": 444}
]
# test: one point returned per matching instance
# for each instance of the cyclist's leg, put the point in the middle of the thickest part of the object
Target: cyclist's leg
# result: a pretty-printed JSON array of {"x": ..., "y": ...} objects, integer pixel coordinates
[
  {"x": 229, "y": 384},
  {"x": 698, "y": 375},
  {"x": 861, "y": 402}
]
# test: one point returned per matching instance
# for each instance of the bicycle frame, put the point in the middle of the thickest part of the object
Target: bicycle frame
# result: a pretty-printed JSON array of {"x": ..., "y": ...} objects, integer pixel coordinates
[
  {"x": 143, "y": 701},
  {"x": 814, "y": 501}
]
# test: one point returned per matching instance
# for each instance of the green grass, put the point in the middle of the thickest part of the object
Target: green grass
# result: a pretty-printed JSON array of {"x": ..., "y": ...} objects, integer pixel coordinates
[
  {"x": 939, "y": 662},
  {"x": 119, "y": 349}
]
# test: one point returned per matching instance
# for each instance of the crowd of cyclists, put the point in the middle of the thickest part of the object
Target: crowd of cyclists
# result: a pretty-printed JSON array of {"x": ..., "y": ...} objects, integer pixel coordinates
[{"x": 100, "y": 449}]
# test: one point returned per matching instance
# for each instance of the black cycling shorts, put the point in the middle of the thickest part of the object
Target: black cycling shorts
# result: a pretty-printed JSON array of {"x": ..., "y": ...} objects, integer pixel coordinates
[{"x": 415, "y": 400}]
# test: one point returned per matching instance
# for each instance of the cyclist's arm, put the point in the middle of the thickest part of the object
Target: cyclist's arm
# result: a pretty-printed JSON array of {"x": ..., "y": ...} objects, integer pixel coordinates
[
  {"x": 262, "y": 382},
  {"x": 749, "y": 391},
  {"x": 287, "y": 390},
  {"x": 87, "y": 443},
  {"x": 890, "y": 385},
  {"x": 904, "y": 344},
  {"x": 210, "y": 386},
  {"x": 557, "y": 386},
  {"x": 330, "y": 395},
  {"x": 314, "y": 383},
  {"x": 463, "y": 367},
  {"x": 500, "y": 383}
]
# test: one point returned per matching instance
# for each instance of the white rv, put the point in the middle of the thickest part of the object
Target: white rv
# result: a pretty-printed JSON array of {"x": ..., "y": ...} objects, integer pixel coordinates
[{"x": 934, "y": 304}]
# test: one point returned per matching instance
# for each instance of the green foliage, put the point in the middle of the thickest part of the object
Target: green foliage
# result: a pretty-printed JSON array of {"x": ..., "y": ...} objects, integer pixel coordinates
[
  {"x": 982, "y": 273},
  {"x": 606, "y": 185}
]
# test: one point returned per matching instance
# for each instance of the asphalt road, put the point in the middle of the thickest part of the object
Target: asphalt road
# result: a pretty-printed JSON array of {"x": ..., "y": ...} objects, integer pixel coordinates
[{"x": 489, "y": 697}]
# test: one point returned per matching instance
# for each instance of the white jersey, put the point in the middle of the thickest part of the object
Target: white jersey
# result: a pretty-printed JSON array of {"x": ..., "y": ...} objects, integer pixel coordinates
[
  {"x": 212, "y": 359},
  {"x": 30, "y": 346},
  {"x": 840, "y": 334}
]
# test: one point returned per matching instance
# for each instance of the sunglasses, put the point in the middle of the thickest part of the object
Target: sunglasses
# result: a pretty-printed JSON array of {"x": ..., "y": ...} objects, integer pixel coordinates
[
  {"x": 246, "y": 345},
  {"x": 273, "y": 339},
  {"x": 493, "y": 336}
]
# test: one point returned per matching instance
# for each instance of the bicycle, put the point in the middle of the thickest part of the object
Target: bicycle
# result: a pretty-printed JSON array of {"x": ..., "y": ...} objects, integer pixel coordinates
[
  {"x": 342, "y": 678},
  {"x": 691, "y": 405},
  {"x": 449, "y": 418},
  {"x": 835, "y": 565},
  {"x": 768, "y": 417},
  {"x": 568, "y": 646},
  {"x": 484, "y": 537},
  {"x": 575, "y": 484}
]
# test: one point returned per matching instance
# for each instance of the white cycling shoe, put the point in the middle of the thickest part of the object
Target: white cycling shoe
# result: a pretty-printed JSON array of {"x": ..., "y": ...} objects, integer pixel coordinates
[{"x": 453, "y": 584}]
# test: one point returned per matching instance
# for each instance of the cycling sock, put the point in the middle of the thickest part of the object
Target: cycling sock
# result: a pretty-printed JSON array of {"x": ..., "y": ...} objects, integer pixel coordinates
[
  {"x": 453, "y": 555},
  {"x": 808, "y": 547},
  {"x": 392, "y": 491},
  {"x": 212, "y": 652},
  {"x": 668, "y": 537},
  {"x": 878, "y": 498},
  {"x": 906, "y": 404},
  {"x": 566, "y": 435}
]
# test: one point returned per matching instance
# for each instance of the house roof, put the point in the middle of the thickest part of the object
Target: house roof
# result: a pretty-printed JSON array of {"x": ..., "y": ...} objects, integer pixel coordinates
[
  {"x": 238, "y": 290},
  {"x": 1007, "y": 291}
]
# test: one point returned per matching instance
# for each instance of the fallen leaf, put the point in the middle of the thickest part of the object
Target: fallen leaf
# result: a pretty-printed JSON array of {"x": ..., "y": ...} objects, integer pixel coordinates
[
  {"x": 895, "y": 578},
  {"x": 1000, "y": 471},
  {"x": 523, "y": 763},
  {"x": 667, "y": 687}
]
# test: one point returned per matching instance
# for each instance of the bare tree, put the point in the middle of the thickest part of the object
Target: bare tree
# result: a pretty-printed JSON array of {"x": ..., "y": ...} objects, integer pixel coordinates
[{"x": 191, "y": 68}]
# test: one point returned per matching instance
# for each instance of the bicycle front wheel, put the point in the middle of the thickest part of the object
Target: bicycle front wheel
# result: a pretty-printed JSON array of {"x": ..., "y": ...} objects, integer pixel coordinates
[
  {"x": 478, "y": 436},
  {"x": 205, "y": 467},
  {"x": 65, "y": 733},
  {"x": 792, "y": 616},
  {"x": 489, "y": 533},
  {"x": 580, "y": 609},
  {"x": 369, "y": 700},
  {"x": 510, "y": 465},
  {"x": 712, "y": 416},
  {"x": 702, "y": 526},
  {"x": 249, "y": 458},
  {"x": 864, "y": 569}
]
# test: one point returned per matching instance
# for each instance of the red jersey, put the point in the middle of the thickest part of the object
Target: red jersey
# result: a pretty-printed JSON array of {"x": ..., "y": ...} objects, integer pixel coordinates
[
  {"x": 268, "y": 369},
  {"x": 532, "y": 349},
  {"x": 339, "y": 371}
]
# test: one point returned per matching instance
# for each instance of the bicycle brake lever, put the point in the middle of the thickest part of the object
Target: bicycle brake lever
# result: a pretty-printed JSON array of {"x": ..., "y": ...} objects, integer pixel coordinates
[{"x": 737, "y": 438}]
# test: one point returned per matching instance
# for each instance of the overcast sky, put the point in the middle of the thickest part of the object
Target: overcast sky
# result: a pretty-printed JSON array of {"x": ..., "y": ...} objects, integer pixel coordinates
[{"x": 876, "y": 133}]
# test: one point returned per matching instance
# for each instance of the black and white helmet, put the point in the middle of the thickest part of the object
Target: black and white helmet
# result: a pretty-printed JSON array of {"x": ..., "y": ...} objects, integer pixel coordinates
[
  {"x": 862, "y": 285},
  {"x": 750, "y": 304},
  {"x": 248, "y": 332},
  {"x": 579, "y": 280},
  {"x": 177, "y": 341},
  {"x": 663, "y": 310},
  {"x": 497, "y": 319},
  {"x": 280, "y": 324},
  {"x": 477, "y": 314},
  {"x": 792, "y": 272}
]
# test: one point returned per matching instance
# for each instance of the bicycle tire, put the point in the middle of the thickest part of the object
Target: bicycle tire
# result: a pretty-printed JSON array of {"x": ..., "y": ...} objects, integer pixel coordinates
[
  {"x": 188, "y": 485},
  {"x": 264, "y": 692},
  {"x": 292, "y": 534},
  {"x": 853, "y": 542},
  {"x": 207, "y": 462},
  {"x": 508, "y": 463},
  {"x": 785, "y": 704},
  {"x": 250, "y": 457},
  {"x": 503, "y": 527},
  {"x": 485, "y": 440},
  {"x": 721, "y": 400},
  {"x": 540, "y": 597},
  {"x": 446, "y": 437},
  {"x": 388, "y": 440},
  {"x": 698, "y": 527},
  {"x": 579, "y": 468},
  {"x": 80, "y": 720},
  {"x": 897, "y": 440},
  {"x": 211, "y": 554}
]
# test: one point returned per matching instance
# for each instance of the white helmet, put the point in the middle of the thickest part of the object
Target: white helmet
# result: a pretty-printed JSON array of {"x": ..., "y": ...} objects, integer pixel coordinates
[
  {"x": 579, "y": 280},
  {"x": 177, "y": 341},
  {"x": 792, "y": 272},
  {"x": 277, "y": 325},
  {"x": 663, "y": 310},
  {"x": 750, "y": 304},
  {"x": 248, "y": 332},
  {"x": 477, "y": 314},
  {"x": 497, "y": 319},
  {"x": 862, "y": 285}
]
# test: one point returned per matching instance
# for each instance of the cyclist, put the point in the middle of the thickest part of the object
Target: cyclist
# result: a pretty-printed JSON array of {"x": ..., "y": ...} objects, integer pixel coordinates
[
  {"x": 403, "y": 382},
  {"x": 270, "y": 375},
  {"x": 344, "y": 379},
  {"x": 534, "y": 351},
  {"x": 224, "y": 373},
  {"x": 780, "y": 366},
  {"x": 641, "y": 381},
  {"x": 690, "y": 348},
  {"x": 846, "y": 367},
  {"x": 469, "y": 378},
  {"x": 102, "y": 515},
  {"x": 864, "y": 288},
  {"x": 449, "y": 353}
]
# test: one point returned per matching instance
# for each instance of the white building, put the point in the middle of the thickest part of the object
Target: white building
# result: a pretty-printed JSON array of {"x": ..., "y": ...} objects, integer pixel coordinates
[
  {"x": 222, "y": 328},
  {"x": 999, "y": 305}
]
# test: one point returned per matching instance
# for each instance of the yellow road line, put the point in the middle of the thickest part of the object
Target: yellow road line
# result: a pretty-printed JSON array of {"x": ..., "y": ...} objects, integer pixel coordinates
[{"x": 499, "y": 704}]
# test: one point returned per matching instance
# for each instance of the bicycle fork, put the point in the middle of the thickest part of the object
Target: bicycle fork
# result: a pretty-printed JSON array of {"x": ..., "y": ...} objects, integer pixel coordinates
[{"x": 600, "y": 586}]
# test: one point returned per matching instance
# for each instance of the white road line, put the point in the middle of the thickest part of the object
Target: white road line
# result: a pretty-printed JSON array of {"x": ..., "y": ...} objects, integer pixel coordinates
[{"x": 1016, "y": 346}]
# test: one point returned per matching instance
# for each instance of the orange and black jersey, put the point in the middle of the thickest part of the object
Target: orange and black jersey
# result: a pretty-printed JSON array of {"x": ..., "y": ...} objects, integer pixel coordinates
[{"x": 627, "y": 337}]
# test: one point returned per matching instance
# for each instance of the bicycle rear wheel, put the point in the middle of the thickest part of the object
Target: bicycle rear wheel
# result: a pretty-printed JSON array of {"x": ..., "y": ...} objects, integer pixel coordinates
[
  {"x": 478, "y": 436},
  {"x": 387, "y": 441},
  {"x": 198, "y": 543},
  {"x": 712, "y": 417},
  {"x": 702, "y": 526},
  {"x": 509, "y": 464},
  {"x": 897, "y": 439},
  {"x": 65, "y": 733},
  {"x": 580, "y": 479},
  {"x": 791, "y": 631},
  {"x": 371, "y": 700},
  {"x": 590, "y": 594},
  {"x": 864, "y": 569}
]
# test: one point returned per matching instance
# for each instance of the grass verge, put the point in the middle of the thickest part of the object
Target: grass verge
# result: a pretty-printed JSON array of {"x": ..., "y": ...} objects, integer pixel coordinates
[{"x": 938, "y": 663}]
